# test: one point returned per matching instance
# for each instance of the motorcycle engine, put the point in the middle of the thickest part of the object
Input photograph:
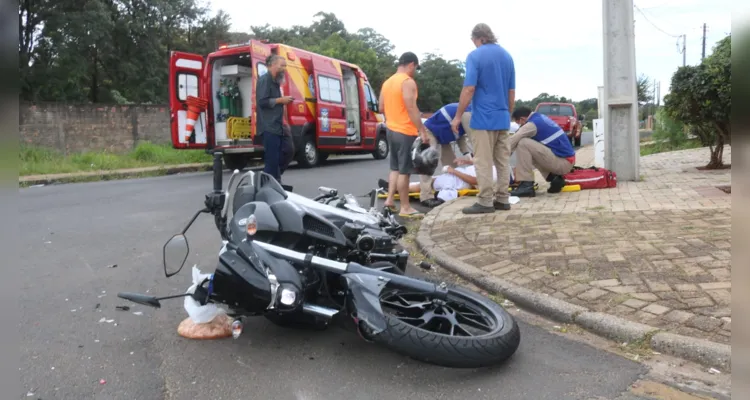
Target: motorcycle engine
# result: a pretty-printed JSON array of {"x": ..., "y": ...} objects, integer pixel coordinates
[{"x": 368, "y": 240}]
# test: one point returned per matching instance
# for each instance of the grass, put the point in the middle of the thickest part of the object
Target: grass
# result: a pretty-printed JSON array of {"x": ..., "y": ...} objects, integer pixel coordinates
[
  {"x": 661, "y": 147},
  {"x": 40, "y": 161}
]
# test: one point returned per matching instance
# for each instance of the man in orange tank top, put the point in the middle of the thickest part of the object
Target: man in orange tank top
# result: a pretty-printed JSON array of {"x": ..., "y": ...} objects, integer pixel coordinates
[{"x": 398, "y": 102}]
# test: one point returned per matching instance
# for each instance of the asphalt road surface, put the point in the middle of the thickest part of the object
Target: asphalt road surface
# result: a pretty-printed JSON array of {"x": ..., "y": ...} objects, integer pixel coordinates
[{"x": 85, "y": 242}]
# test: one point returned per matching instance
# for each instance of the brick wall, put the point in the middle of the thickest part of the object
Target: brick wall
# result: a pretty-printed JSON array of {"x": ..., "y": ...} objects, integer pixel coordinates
[{"x": 74, "y": 128}]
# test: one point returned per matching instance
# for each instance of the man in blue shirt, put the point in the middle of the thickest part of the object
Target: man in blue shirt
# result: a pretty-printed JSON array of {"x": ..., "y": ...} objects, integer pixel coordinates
[
  {"x": 490, "y": 87},
  {"x": 441, "y": 137}
]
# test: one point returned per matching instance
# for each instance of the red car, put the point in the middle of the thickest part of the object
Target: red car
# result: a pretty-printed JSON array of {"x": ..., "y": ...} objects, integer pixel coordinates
[{"x": 564, "y": 115}]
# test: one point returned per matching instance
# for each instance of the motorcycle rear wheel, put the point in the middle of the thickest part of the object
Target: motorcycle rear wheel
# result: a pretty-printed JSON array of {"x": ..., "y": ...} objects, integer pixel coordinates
[{"x": 468, "y": 331}]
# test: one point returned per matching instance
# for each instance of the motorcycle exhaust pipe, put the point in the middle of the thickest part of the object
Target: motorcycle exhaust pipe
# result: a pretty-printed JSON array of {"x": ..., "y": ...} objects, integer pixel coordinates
[{"x": 319, "y": 311}]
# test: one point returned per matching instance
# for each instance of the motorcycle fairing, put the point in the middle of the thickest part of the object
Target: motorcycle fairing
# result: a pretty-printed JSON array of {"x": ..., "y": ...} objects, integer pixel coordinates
[{"x": 364, "y": 300}]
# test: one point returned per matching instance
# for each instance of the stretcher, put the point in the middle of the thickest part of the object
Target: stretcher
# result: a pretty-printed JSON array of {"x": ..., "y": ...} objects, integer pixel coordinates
[{"x": 461, "y": 193}]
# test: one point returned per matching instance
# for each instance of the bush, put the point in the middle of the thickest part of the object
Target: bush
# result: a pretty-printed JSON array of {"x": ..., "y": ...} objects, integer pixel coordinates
[{"x": 668, "y": 130}]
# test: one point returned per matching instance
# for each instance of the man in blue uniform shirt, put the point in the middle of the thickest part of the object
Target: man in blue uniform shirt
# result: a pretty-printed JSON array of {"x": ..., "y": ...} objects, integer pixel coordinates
[
  {"x": 442, "y": 136},
  {"x": 540, "y": 143},
  {"x": 490, "y": 87}
]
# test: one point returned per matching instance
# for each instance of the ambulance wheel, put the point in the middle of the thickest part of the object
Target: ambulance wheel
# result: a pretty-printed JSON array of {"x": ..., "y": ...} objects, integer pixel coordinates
[
  {"x": 235, "y": 161},
  {"x": 309, "y": 156},
  {"x": 381, "y": 148}
]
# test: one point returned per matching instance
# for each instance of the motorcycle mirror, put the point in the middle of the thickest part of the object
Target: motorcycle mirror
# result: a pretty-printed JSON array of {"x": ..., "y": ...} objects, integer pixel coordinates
[
  {"x": 142, "y": 299},
  {"x": 176, "y": 251}
]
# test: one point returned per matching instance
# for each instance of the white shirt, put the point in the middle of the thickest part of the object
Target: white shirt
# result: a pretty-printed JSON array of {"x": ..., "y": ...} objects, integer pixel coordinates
[
  {"x": 447, "y": 185},
  {"x": 513, "y": 127}
]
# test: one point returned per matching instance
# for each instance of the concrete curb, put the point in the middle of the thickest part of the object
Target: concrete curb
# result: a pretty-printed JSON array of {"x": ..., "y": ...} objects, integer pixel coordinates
[
  {"x": 701, "y": 351},
  {"x": 113, "y": 174}
]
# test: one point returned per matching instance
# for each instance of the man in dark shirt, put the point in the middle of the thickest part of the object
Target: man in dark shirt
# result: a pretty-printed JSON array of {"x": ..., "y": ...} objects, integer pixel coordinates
[{"x": 270, "y": 114}]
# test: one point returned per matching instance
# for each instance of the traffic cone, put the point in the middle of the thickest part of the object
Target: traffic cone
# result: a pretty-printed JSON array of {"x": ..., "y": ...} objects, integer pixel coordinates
[{"x": 195, "y": 107}]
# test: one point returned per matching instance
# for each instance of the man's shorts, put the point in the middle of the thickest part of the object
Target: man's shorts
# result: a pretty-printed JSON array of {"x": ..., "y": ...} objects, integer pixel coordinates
[{"x": 400, "y": 146}]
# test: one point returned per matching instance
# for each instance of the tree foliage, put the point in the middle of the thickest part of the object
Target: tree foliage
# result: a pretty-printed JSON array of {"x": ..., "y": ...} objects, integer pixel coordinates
[
  {"x": 116, "y": 51},
  {"x": 700, "y": 97}
]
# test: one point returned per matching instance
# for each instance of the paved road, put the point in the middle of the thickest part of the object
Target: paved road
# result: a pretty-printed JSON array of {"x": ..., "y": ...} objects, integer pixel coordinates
[{"x": 74, "y": 233}]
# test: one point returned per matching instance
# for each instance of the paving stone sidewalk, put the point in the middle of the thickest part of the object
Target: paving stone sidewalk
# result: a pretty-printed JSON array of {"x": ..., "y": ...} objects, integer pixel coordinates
[{"x": 656, "y": 251}]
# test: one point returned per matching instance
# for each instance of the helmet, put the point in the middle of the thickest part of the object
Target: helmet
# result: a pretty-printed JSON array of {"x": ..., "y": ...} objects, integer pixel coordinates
[{"x": 424, "y": 157}]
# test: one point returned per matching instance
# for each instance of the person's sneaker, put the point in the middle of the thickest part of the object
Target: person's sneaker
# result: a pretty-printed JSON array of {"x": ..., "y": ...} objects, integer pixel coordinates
[
  {"x": 501, "y": 206},
  {"x": 556, "y": 184},
  {"x": 478, "y": 209},
  {"x": 431, "y": 203},
  {"x": 383, "y": 184},
  {"x": 524, "y": 189}
]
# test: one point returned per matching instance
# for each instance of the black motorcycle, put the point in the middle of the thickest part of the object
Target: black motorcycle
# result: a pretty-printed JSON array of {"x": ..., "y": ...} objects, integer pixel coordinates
[{"x": 262, "y": 270}]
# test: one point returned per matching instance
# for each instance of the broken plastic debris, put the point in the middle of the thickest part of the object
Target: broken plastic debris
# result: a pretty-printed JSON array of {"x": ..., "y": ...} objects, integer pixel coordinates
[
  {"x": 112, "y": 266},
  {"x": 109, "y": 321},
  {"x": 714, "y": 371},
  {"x": 29, "y": 394},
  {"x": 507, "y": 303},
  {"x": 138, "y": 313},
  {"x": 122, "y": 308},
  {"x": 555, "y": 273},
  {"x": 102, "y": 382}
]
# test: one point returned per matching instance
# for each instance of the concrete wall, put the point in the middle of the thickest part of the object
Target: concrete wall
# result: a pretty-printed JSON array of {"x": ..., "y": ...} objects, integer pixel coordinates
[{"x": 74, "y": 128}]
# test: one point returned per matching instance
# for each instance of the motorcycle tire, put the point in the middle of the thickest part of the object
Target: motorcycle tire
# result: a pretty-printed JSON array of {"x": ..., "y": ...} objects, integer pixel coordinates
[{"x": 455, "y": 351}]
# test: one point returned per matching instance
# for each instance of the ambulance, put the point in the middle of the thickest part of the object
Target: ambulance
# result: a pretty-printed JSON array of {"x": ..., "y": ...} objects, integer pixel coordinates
[{"x": 212, "y": 104}]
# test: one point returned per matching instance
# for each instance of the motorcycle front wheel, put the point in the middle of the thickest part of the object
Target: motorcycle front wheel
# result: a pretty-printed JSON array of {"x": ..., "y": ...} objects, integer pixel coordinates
[{"x": 465, "y": 331}]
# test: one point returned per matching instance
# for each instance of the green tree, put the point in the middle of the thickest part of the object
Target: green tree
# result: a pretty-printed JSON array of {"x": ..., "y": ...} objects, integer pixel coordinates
[
  {"x": 700, "y": 97},
  {"x": 440, "y": 82}
]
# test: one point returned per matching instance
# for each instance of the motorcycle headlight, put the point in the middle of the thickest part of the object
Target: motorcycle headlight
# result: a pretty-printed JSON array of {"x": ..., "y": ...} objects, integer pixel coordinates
[
  {"x": 288, "y": 297},
  {"x": 252, "y": 225}
]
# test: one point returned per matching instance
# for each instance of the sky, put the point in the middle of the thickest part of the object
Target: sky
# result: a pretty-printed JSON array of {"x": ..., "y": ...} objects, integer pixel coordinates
[{"x": 556, "y": 45}]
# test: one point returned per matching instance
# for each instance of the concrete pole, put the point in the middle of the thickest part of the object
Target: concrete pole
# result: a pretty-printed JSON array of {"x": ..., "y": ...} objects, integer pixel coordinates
[
  {"x": 600, "y": 104},
  {"x": 621, "y": 139}
]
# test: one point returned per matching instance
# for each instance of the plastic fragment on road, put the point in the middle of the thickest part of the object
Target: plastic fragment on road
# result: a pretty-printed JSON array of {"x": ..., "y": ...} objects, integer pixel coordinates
[
  {"x": 205, "y": 322},
  {"x": 102, "y": 382}
]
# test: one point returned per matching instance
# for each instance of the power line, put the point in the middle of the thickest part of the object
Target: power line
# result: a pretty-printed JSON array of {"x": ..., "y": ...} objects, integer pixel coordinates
[{"x": 653, "y": 24}]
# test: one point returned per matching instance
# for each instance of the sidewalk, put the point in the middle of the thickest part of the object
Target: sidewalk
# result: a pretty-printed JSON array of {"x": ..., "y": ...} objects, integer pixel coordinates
[{"x": 655, "y": 252}]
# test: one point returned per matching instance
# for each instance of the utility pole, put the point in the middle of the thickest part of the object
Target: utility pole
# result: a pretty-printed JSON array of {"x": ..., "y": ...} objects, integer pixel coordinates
[
  {"x": 658, "y": 94},
  {"x": 703, "y": 53},
  {"x": 684, "y": 55},
  {"x": 620, "y": 97}
]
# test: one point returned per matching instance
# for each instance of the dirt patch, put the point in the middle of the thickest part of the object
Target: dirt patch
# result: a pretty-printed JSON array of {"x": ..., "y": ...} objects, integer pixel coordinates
[
  {"x": 705, "y": 168},
  {"x": 725, "y": 188}
]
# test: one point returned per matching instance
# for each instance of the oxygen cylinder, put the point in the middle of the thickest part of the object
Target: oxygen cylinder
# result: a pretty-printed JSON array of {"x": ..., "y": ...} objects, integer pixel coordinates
[
  {"x": 224, "y": 100},
  {"x": 237, "y": 99},
  {"x": 232, "y": 102}
]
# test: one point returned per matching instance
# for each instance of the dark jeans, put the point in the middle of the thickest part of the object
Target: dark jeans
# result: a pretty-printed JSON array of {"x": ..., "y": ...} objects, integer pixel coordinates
[{"x": 278, "y": 154}]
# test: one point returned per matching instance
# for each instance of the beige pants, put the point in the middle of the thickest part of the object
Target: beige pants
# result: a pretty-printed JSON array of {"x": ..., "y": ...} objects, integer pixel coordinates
[
  {"x": 447, "y": 156},
  {"x": 491, "y": 148},
  {"x": 531, "y": 154}
]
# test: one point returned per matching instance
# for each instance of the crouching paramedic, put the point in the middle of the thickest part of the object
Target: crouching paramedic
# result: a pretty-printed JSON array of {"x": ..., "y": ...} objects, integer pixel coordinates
[
  {"x": 540, "y": 143},
  {"x": 438, "y": 128}
]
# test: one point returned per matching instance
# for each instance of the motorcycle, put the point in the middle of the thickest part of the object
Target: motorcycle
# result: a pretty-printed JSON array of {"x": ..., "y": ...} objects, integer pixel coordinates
[{"x": 424, "y": 319}]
